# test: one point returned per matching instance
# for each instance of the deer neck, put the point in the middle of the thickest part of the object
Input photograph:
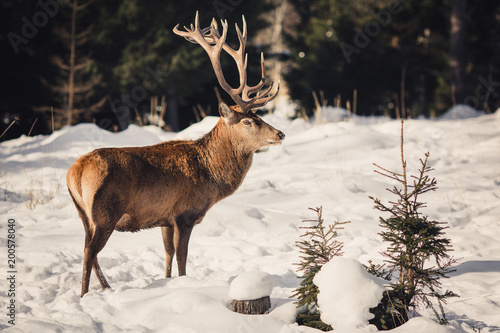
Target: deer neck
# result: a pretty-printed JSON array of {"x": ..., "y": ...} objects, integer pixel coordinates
[{"x": 224, "y": 160}]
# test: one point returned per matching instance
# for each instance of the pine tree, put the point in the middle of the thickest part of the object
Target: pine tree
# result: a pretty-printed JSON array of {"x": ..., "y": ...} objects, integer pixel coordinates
[
  {"x": 318, "y": 247},
  {"x": 414, "y": 240},
  {"x": 76, "y": 80}
]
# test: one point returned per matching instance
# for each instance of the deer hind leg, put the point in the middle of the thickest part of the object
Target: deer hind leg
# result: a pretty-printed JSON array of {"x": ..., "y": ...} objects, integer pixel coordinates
[
  {"x": 88, "y": 262},
  {"x": 168, "y": 242},
  {"x": 100, "y": 275},
  {"x": 94, "y": 243}
]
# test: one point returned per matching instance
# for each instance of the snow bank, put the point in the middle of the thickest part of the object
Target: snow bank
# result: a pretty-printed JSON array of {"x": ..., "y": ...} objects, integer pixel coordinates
[
  {"x": 425, "y": 325},
  {"x": 251, "y": 285},
  {"x": 461, "y": 111},
  {"x": 330, "y": 114},
  {"x": 199, "y": 129},
  {"x": 346, "y": 293}
]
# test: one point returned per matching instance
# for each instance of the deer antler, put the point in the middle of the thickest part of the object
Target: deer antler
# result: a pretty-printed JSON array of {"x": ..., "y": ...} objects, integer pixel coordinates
[{"x": 211, "y": 36}]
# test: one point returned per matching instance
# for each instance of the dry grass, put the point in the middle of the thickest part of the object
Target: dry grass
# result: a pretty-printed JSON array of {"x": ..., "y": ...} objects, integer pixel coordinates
[{"x": 36, "y": 195}]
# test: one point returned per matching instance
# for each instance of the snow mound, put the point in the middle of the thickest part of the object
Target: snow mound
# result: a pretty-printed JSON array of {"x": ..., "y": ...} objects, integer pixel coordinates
[
  {"x": 251, "y": 285},
  {"x": 330, "y": 114},
  {"x": 425, "y": 325},
  {"x": 346, "y": 293},
  {"x": 461, "y": 111},
  {"x": 199, "y": 129}
]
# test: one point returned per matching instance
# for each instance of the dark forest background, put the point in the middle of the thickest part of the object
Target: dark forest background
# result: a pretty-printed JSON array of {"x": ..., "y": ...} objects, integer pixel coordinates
[{"x": 115, "y": 62}]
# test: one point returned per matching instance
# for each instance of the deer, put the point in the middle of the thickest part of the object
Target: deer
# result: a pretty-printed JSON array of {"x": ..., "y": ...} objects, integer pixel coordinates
[{"x": 173, "y": 184}]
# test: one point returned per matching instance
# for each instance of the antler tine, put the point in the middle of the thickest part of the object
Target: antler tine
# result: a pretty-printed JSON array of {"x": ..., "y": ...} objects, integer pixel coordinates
[
  {"x": 262, "y": 99},
  {"x": 214, "y": 29},
  {"x": 250, "y": 90},
  {"x": 244, "y": 26},
  {"x": 197, "y": 21},
  {"x": 211, "y": 36},
  {"x": 242, "y": 37}
]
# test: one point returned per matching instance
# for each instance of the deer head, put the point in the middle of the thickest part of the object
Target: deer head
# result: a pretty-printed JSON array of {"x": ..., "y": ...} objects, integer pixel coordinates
[
  {"x": 240, "y": 118},
  {"x": 248, "y": 131}
]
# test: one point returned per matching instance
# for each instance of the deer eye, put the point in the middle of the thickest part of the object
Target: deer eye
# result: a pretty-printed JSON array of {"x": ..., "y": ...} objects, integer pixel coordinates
[{"x": 247, "y": 122}]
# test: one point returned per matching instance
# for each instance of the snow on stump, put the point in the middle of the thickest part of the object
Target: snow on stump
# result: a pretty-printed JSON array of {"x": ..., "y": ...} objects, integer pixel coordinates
[
  {"x": 250, "y": 293},
  {"x": 346, "y": 294}
]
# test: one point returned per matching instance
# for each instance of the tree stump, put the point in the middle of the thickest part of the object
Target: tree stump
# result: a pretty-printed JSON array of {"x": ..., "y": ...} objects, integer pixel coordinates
[
  {"x": 250, "y": 292},
  {"x": 255, "y": 306}
]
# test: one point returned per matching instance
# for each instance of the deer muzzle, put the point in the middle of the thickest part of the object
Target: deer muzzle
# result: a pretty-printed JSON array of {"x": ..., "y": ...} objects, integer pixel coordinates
[{"x": 280, "y": 136}]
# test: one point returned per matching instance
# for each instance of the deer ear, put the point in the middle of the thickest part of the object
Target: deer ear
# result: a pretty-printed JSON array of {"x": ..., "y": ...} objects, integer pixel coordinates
[{"x": 227, "y": 113}]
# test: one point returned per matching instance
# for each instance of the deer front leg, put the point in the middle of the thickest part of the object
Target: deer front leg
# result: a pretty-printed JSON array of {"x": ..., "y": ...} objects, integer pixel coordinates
[
  {"x": 168, "y": 242},
  {"x": 181, "y": 241}
]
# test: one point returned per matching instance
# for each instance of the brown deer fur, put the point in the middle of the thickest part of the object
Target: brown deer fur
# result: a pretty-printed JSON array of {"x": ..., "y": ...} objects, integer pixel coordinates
[{"x": 170, "y": 185}]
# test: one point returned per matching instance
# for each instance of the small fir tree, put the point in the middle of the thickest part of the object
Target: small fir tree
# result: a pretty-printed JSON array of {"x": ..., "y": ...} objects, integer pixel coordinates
[
  {"x": 414, "y": 240},
  {"x": 318, "y": 247}
]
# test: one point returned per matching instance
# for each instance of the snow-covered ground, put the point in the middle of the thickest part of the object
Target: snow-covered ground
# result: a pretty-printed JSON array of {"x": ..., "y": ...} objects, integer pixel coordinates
[{"x": 329, "y": 165}]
